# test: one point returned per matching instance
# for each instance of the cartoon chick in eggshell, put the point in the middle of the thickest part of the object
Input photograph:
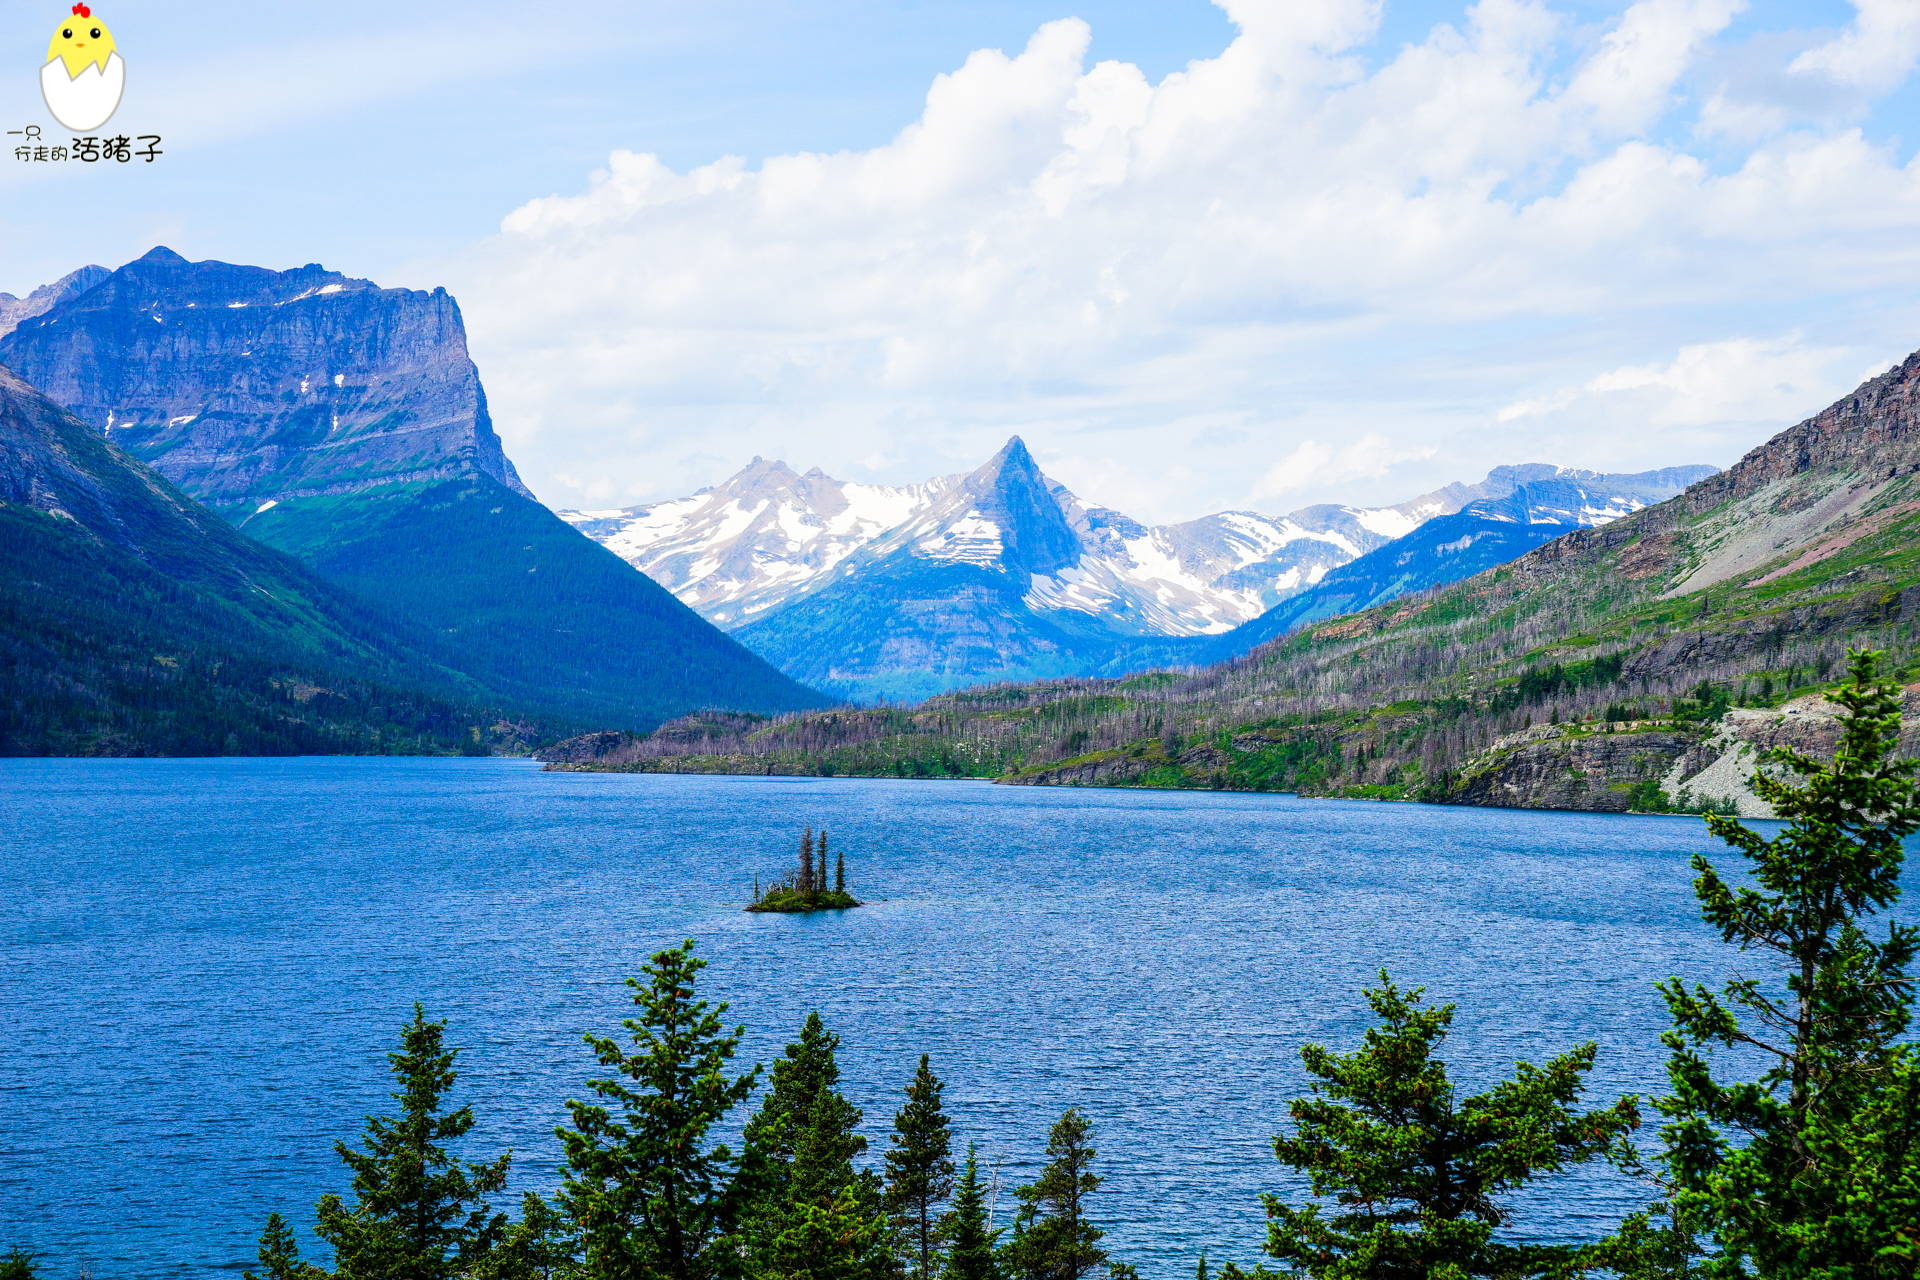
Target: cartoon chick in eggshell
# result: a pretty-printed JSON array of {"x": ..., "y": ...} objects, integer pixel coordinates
[{"x": 84, "y": 75}]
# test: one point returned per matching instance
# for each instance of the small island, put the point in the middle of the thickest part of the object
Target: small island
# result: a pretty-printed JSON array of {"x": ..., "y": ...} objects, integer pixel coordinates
[{"x": 805, "y": 889}]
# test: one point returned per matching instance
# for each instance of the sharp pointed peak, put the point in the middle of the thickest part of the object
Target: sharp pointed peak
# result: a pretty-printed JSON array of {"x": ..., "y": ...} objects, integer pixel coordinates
[{"x": 160, "y": 253}]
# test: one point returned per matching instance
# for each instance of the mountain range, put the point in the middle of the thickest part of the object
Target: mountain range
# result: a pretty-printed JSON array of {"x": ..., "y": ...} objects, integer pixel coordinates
[
  {"x": 345, "y": 425},
  {"x": 1647, "y": 662},
  {"x": 1003, "y": 573}
]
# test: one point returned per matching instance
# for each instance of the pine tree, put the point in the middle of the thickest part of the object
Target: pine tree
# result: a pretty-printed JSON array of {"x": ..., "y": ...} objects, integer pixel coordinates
[
  {"x": 970, "y": 1245},
  {"x": 417, "y": 1215},
  {"x": 832, "y": 1224},
  {"x": 1052, "y": 1236},
  {"x": 279, "y": 1255},
  {"x": 1417, "y": 1171},
  {"x": 800, "y": 1075},
  {"x": 820, "y": 880},
  {"x": 1825, "y": 1178},
  {"x": 541, "y": 1246},
  {"x": 650, "y": 1197},
  {"x": 805, "y": 884},
  {"x": 920, "y": 1171},
  {"x": 840, "y": 872},
  {"x": 815, "y": 1217},
  {"x": 19, "y": 1264}
]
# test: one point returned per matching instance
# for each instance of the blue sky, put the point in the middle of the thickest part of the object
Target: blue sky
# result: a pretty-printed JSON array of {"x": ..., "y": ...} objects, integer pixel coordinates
[{"x": 1319, "y": 251}]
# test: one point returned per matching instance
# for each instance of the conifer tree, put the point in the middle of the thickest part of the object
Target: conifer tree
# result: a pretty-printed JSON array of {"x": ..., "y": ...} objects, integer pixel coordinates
[
  {"x": 832, "y": 1224},
  {"x": 417, "y": 1215},
  {"x": 820, "y": 880},
  {"x": 799, "y": 1076},
  {"x": 815, "y": 1217},
  {"x": 279, "y": 1255},
  {"x": 1824, "y": 1177},
  {"x": 20, "y": 1264},
  {"x": 541, "y": 1246},
  {"x": 805, "y": 883},
  {"x": 840, "y": 872},
  {"x": 1418, "y": 1172},
  {"x": 1053, "y": 1239},
  {"x": 651, "y": 1198},
  {"x": 970, "y": 1244},
  {"x": 920, "y": 1171}
]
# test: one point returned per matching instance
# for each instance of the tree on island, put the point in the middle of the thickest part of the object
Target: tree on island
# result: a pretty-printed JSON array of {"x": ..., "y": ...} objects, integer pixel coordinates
[
  {"x": 1824, "y": 1176},
  {"x": 806, "y": 889},
  {"x": 1417, "y": 1171},
  {"x": 650, "y": 1196},
  {"x": 920, "y": 1171},
  {"x": 417, "y": 1215}
]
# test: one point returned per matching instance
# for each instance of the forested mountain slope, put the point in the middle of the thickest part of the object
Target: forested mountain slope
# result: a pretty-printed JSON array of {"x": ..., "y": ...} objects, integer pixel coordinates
[
  {"x": 135, "y": 622},
  {"x": 346, "y": 424},
  {"x": 1594, "y": 672}
]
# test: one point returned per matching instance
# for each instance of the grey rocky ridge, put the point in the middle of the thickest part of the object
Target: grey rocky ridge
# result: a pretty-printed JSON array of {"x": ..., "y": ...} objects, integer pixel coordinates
[
  {"x": 1003, "y": 573},
  {"x": 346, "y": 424}
]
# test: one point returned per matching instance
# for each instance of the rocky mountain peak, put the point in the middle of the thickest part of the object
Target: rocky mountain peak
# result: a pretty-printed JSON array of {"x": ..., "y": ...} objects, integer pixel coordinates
[
  {"x": 1010, "y": 492},
  {"x": 13, "y": 311},
  {"x": 248, "y": 387}
]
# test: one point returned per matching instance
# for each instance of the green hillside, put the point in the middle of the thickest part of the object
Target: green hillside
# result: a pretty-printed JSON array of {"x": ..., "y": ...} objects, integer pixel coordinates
[
  {"x": 134, "y": 622},
  {"x": 522, "y": 603},
  {"x": 345, "y": 424}
]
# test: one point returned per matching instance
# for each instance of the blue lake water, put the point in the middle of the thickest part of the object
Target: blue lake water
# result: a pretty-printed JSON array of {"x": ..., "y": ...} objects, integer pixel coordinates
[{"x": 205, "y": 962}]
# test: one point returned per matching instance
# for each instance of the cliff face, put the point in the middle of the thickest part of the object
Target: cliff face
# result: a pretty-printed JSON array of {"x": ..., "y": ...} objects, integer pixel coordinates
[
  {"x": 1593, "y": 772},
  {"x": 14, "y": 311},
  {"x": 345, "y": 425},
  {"x": 246, "y": 386}
]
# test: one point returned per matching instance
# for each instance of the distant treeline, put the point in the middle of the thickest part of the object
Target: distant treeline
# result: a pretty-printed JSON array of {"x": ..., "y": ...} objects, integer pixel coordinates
[{"x": 1391, "y": 704}]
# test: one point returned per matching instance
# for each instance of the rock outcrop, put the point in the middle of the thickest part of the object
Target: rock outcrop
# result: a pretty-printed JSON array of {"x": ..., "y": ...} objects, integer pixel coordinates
[
  {"x": 1556, "y": 768},
  {"x": 13, "y": 311}
]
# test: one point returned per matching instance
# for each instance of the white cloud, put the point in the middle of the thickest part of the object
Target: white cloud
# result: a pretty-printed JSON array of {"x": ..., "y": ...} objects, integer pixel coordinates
[
  {"x": 1875, "y": 53},
  {"x": 1711, "y": 396},
  {"x": 1314, "y": 464},
  {"x": 1252, "y": 268}
]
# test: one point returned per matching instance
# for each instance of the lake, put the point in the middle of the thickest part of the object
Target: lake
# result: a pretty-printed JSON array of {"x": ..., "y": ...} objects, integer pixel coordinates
[{"x": 207, "y": 961}]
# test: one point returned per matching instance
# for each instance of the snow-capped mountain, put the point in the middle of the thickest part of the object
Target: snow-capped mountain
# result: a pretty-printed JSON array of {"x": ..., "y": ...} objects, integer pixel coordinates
[
  {"x": 1002, "y": 573},
  {"x": 767, "y": 535}
]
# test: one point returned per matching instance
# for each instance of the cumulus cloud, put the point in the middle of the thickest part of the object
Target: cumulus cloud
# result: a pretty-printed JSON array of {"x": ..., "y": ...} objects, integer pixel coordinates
[
  {"x": 1875, "y": 53},
  {"x": 1294, "y": 273},
  {"x": 1711, "y": 396}
]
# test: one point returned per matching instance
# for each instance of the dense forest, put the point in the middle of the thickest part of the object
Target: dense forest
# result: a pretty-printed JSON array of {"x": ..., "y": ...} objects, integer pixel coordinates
[{"x": 1812, "y": 1169}]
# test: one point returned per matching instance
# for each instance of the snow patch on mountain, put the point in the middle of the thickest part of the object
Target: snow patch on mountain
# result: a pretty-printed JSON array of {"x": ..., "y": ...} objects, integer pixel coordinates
[{"x": 767, "y": 536}]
